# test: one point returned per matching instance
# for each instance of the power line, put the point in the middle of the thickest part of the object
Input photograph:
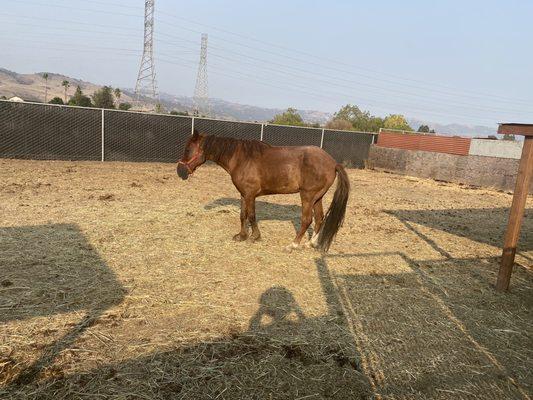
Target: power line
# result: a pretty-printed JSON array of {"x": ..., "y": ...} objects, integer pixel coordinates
[
  {"x": 288, "y": 87},
  {"x": 342, "y": 82},
  {"x": 432, "y": 90},
  {"x": 337, "y": 62},
  {"x": 292, "y": 50},
  {"x": 281, "y": 65}
]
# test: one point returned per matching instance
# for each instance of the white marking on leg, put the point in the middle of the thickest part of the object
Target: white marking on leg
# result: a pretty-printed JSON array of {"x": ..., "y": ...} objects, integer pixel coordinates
[
  {"x": 314, "y": 239},
  {"x": 291, "y": 247}
]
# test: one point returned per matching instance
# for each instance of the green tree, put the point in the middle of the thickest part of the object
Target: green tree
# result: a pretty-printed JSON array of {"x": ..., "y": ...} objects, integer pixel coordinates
[
  {"x": 360, "y": 120},
  {"x": 79, "y": 99},
  {"x": 289, "y": 117},
  {"x": 396, "y": 121},
  {"x": 174, "y": 112},
  {"x": 509, "y": 137},
  {"x": 45, "y": 77},
  {"x": 66, "y": 85},
  {"x": 423, "y": 129},
  {"x": 103, "y": 98},
  {"x": 117, "y": 94},
  {"x": 124, "y": 106},
  {"x": 339, "y": 124},
  {"x": 158, "y": 108},
  {"x": 56, "y": 100}
]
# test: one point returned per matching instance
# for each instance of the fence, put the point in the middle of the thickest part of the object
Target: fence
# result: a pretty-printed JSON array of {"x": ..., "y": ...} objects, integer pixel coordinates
[{"x": 55, "y": 132}]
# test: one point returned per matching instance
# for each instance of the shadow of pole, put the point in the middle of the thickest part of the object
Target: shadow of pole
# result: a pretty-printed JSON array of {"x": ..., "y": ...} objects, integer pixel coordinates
[
  {"x": 340, "y": 307},
  {"x": 46, "y": 359}
]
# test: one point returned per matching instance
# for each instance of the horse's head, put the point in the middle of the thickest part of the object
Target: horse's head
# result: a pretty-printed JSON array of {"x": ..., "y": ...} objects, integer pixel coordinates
[{"x": 193, "y": 156}]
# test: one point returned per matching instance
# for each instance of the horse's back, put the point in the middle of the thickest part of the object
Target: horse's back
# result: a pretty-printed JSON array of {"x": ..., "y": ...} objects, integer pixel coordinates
[{"x": 293, "y": 169}]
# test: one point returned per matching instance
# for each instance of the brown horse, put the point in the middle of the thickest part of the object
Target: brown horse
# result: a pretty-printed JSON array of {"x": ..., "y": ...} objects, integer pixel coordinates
[{"x": 258, "y": 169}]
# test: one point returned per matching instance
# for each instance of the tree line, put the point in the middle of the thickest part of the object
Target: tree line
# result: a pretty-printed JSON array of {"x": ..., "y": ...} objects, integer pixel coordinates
[
  {"x": 350, "y": 118},
  {"x": 105, "y": 97}
]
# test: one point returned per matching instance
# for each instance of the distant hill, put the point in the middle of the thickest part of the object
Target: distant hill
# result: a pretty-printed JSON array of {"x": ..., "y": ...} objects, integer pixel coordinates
[
  {"x": 241, "y": 112},
  {"x": 455, "y": 129},
  {"x": 30, "y": 87}
]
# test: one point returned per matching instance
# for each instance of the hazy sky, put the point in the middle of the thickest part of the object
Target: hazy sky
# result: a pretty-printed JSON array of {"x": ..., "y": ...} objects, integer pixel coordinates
[{"x": 444, "y": 61}]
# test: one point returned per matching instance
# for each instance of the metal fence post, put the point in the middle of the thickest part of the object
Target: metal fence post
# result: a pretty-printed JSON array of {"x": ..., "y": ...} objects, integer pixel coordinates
[
  {"x": 103, "y": 133},
  {"x": 322, "y": 138},
  {"x": 192, "y": 126},
  {"x": 262, "y": 126}
]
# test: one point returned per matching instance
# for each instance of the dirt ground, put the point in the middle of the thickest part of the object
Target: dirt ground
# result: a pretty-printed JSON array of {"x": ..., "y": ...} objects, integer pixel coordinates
[{"x": 121, "y": 281}]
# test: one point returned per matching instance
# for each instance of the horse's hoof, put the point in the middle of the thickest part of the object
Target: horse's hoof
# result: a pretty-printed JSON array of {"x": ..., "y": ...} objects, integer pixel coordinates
[
  {"x": 239, "y": 238},
  {"x": 254, "y": 239},
  {"x": 314, "y": 241},
  {"x": 291, "y": 247}
]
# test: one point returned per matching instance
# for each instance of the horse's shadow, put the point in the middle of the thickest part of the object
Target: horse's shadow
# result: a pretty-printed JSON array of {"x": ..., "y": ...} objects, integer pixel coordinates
[{"x": 264, "y": 210}]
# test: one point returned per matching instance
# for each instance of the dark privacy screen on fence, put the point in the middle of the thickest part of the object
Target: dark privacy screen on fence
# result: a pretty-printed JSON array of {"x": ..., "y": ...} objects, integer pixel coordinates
[
  {"x": 47, "y": 132},
  {"x": 144, "y": 137},
  {"x": 279, "y": 135},
  {"x": 43, "y": 131},
  {"x": 237, "y": 130},
  {"x": 350, "y": 148}
]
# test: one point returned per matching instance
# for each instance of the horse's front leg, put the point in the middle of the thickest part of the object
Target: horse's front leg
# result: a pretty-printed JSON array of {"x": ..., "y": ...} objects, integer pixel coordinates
[
  {"x": 250, "y": 208},
  {"x": 243, "y": 234}
]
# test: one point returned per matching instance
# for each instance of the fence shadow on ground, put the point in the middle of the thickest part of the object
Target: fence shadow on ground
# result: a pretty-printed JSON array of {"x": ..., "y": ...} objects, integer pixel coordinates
[
  {"x": 484, "y": 225},
  {"x": 435, "y": 330},
  {"x": 46, "y": 271},
  {"x": 439, "y": 330}
]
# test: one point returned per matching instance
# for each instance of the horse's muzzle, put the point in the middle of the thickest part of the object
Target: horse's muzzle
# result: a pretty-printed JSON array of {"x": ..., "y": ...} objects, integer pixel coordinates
[{"x": 183, "y": 173}]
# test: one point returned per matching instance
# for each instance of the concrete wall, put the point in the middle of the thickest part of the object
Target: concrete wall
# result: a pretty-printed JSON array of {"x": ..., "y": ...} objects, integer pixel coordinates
[
  {"x": 496, "y": 148},
  {"x": 492, "y": 172}
]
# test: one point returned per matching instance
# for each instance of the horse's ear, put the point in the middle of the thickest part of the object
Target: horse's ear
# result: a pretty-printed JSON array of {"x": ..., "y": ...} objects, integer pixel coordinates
[{"x": 195, "y": 133}]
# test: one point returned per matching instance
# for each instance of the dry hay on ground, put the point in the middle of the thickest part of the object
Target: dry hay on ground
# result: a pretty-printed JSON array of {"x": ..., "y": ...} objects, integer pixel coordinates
[{"x": 121, "y": 281}]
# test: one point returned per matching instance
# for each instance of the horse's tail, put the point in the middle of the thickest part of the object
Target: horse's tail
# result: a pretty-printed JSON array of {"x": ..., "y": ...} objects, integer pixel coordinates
[{"x": 335, "y": 214}]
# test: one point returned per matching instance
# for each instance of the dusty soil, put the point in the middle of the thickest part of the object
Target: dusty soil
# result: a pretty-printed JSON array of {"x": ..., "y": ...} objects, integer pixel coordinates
[{"x": 121, "y": 281}]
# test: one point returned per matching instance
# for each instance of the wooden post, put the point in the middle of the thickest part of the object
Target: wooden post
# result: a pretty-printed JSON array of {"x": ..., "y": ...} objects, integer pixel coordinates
[{"x": 523, "y": 179}]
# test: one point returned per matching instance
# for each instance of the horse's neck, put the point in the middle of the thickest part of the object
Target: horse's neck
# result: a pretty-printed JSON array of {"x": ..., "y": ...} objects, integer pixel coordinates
[{"x": 229, "y": 161}]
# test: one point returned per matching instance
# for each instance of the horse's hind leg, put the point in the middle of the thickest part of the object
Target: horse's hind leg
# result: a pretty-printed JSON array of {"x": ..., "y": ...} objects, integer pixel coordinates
[
  {"x": 318, "y": 212},
  {"x": 243, "y": 234},
  {"x": 307, "y": 218}
]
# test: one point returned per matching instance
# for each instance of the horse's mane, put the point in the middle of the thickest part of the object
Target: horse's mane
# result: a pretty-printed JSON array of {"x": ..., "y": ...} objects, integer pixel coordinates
[{"x": 217, "y": 147}]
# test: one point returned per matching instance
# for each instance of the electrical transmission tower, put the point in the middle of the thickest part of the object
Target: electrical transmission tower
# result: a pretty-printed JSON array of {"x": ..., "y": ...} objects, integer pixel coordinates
[
  {"x": 146, "y": 83},
  {"x": 201, "y": 98}
]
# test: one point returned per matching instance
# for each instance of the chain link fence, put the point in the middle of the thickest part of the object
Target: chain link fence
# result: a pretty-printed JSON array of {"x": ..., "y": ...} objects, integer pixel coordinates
[
  {"x": 54, "y": 132},
  {"x": 132, "y": 136},
  {"x": 281, "y": 135},
  {"x": 47, "y": 132},
  {"x": 350, "y": 148},
  {"x": 237, "y": 130}
]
